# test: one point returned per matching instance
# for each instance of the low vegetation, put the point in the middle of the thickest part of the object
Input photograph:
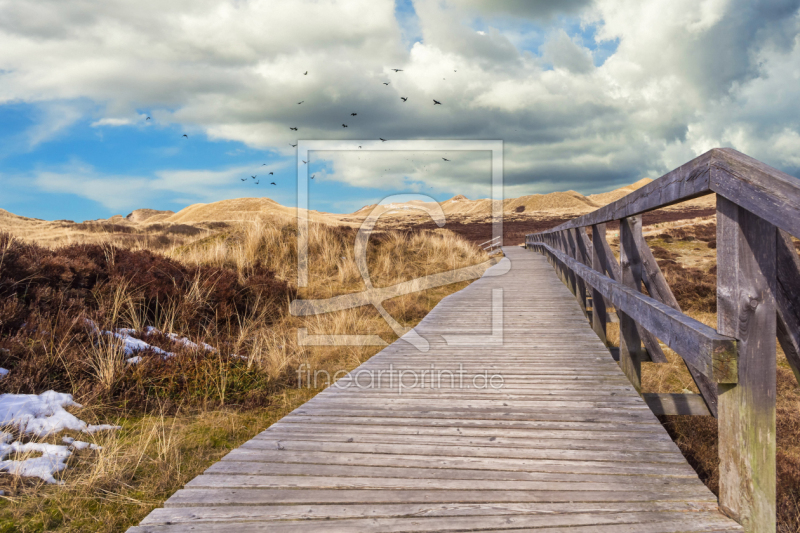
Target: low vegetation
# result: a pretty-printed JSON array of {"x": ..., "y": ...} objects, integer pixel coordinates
[{"x": 229, "y": 289}]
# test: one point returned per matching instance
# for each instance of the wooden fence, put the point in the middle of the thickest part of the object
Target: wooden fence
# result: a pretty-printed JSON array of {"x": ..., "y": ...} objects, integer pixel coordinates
[{"x": 758, "y": 298}]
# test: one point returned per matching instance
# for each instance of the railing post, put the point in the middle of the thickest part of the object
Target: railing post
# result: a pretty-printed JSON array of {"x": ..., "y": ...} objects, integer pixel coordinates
[
  {"x": 630, "y": 342},
  {"x": 746, "y": 283},
  {"x": 599, "y": 314}
]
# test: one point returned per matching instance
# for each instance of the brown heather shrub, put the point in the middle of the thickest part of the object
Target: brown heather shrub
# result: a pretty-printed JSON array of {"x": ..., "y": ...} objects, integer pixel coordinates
[{"x": 46, "y": 296}]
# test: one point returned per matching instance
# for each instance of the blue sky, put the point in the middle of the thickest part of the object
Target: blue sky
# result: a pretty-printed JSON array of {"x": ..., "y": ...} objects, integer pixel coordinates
[{"x": 586, "y": 95}]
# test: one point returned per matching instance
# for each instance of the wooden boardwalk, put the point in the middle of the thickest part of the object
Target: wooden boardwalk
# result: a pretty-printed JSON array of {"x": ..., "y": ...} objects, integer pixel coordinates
[{"x": 565, "y": 444}]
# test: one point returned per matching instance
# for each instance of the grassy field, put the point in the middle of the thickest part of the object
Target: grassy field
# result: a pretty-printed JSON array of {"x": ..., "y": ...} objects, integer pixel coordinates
[{"x": 229, "y": 289}]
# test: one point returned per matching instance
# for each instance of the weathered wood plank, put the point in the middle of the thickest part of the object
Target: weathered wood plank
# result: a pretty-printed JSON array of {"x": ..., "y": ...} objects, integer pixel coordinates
[
  {"x": 676, "y": 404},
  {"x": 684, "y": 183},
  {"x": 322, "y": 512},
  {"x": 757, "y": 187},
  {"x": 643, "y": 522},
  {"x": 630, "y": 342},
  {"x": 709, "y": 352},
  {"x": 599, "y": 303},
  {"x": 787, "y": 300},
  {"x": 657, "y": 286},
  {"x": 746, "y": 283}
]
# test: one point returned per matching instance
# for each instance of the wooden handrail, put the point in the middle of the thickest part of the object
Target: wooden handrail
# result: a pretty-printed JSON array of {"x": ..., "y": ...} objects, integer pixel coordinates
[
  {"x": 758, "y": 298},
  {"x": 711, "y": 353}
]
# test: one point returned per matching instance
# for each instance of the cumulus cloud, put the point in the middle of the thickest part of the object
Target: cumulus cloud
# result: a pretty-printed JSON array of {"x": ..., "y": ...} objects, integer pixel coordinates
[{"x": 684, "y": 76}]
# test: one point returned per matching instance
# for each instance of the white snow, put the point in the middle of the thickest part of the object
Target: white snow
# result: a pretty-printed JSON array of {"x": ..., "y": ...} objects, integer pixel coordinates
[
  {"x": 80, "y": 445},
  {"x": 43, "y": 414},
  {"x": 130, "y": 345},
  {"x": 53, "y": 460},
  {"x": 3, "y": 372}
]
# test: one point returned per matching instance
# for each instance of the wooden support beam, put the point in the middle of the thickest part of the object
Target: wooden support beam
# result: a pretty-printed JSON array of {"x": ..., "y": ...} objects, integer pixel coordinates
[
  {"x": 788, "y": 301},
  {"x": 746, "y": 283},
  {"x": 577, "y": 253},
  {"x": 709, "y": 352},
  {"x": 599, "y": 304},
  {"x": 676, "y": 404},
  {"x": 657, "y": 286},
  {"x": 631, "y": 229},
  {"x": 630, "y": 342}
]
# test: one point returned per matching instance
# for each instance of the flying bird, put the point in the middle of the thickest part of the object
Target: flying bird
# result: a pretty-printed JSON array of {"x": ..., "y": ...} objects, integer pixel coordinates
[
  {"x": 273, "y": 183},
  {"x": 353, "y": 114},
  {"x": 293, "y": 145},
  {"x": 244, "y": 179},
  {"x": 312, "y": 177},
  {"x": 295, "y": 129},
  {"x": 253, "y": 177},
  {"x": 359, "y": 146},
  {"x": 304, "y": 162},
  {"x": 386, "y": 83},
  {"x": 381, "y": 138},
  {"x": 397, "y": 69},
  {"x": 305, "y": 73},
  {"x": 445, "y": 159},
  {"x": 263, "y": 164},
  {"x": 259, "y": 181},
  {"x": 148, "y": 118},
  {"x": 404, "y": 98},
  {"x": 185, "y": 135},
  {"x": 344, "y": 125},
  {"x": 300, "y": 102},
  {"x": 271, "y": 174},
  {"x": 437, "y": 102}
]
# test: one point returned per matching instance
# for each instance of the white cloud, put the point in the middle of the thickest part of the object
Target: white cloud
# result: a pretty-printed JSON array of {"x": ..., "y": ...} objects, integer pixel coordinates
[
  {"x": 123, "y": 193},
  {"x": 685, "y": 76},
  {"x": 112, "y": 122}
]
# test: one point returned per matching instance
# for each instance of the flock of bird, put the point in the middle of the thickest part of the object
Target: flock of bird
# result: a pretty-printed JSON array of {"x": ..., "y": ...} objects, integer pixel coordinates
[{"x": 255, "y": 178}]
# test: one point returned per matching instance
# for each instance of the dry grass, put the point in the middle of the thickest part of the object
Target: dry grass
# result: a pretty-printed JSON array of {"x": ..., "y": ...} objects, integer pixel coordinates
[{"x": 181, "y": 414}]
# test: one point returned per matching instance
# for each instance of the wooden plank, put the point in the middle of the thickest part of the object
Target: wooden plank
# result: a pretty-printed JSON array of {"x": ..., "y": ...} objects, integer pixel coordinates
[
  {"x": 746, "y": 282},
  {"x": 787, "y": 300},
  {"x": 657, "y": 286},
  {"x": 294, "y": 512},
  {"x": 712, "y": 354},
  {"x": 684, "y": 183},
  {"x": 643, "y": 522},
  {"x": 599, "y": 303},
  {"x": 635, "y": 243},
  {"x": 630, "y": 342},
  {"x": 676, "y": 404},
  {"x": 201, "y": 497},
  {"x": 757, "y": 187}
]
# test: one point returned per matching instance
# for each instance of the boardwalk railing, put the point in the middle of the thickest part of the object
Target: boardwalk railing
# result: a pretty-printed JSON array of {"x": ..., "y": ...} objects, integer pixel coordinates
[{"x": 758, "y": 297}]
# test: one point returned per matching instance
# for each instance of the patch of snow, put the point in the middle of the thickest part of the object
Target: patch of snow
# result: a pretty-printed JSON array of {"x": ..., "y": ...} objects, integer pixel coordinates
[
  {"x": 53, "y": 459},
  {"x": 80, "y": 445},
  {"x": 3, "y": 372},
  {"x": 43, "y": 414},
  {"x": 130, "y": 345},
  {"x": 194, "y": 346}
]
